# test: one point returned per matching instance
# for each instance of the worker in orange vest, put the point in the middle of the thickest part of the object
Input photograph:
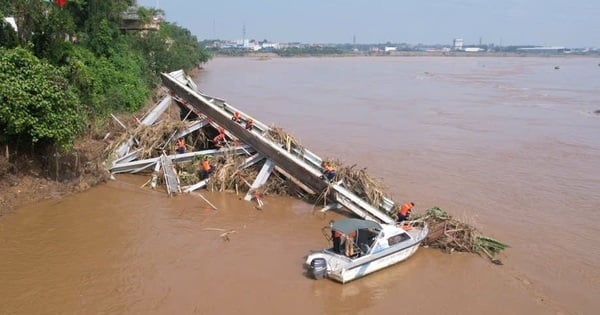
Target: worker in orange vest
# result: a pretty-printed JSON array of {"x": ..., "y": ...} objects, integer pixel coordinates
[
  {"x": 236, "y": 117},
  {"x": 207, "y": 168},
  {"x": 249, "y": 124},
  {"x": 180, "y": 145},
  {"x": 404, "y": 211},
  {"x": 220, "y": 138},
  {"x": 328, "y": 171}
]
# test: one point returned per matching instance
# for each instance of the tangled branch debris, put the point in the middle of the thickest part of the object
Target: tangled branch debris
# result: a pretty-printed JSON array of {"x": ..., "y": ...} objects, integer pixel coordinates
[
  {"x": 357, "y": 180},
  {"x": 288, "y": 141},
  {"x": 449, "y": 234},
  {"x": 446, "y": 233}
]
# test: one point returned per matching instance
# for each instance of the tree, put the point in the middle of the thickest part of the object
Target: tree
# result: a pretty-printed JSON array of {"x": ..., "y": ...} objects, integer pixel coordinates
[
  {"x": 169, "y": 49},
  {"x": 42, "y": 26},
  {"x": 38, "y": 104},
  {"x": 8, "y": 35}
]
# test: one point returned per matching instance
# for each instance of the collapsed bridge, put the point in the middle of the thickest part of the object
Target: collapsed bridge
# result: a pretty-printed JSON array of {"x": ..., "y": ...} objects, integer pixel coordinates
[{"x": 299, "y": 165}]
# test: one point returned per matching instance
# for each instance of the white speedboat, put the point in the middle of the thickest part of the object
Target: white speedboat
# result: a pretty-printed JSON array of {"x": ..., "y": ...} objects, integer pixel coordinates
[{"x": 361, "y": 247}]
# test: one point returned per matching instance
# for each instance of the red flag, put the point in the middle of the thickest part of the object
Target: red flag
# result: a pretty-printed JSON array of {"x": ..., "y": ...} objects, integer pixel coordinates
[{"x": 61, "y": 3}]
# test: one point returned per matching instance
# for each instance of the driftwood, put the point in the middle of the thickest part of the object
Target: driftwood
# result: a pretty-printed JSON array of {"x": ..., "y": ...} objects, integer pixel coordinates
[
  {"x": 224, "y": 235},
  {"x": 452, "y": 235},
  {"x": 446, "y": 232}
]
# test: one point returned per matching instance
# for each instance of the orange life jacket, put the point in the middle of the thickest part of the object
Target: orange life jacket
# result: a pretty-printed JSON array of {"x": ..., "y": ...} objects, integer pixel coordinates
[
  {"x": 219, "y": 137},
  {"x": 205, "y": 165},
  {"x": 236, "y": 116},
  {"x": 181, "y": 143},
  {"x": 406, "y": 208},
  {"x": 328, "y": 168}
]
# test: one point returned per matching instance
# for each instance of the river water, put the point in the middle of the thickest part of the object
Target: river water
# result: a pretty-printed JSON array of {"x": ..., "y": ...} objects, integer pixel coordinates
[{"x": 511, "y": 145}]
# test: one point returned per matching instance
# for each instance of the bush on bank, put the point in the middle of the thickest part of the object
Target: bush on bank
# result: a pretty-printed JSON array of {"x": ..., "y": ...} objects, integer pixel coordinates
[{"x": 64, "y": 66}]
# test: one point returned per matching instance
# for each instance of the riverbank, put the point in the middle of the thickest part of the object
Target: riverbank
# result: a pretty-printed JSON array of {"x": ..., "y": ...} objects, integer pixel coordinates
[{"x": 29, "y": 179}]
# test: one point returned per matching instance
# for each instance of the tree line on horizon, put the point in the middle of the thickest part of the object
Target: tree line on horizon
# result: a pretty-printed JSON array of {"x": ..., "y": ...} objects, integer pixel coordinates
[{"x": 70, "y": 64}]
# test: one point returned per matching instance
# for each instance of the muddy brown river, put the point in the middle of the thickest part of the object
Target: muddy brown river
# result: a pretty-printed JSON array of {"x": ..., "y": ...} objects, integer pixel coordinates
[{"x": 511, "y": 145}]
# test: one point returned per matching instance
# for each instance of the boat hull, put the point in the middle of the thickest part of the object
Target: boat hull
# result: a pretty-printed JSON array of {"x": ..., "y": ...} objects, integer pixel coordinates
[
  {"x": 360, "y": 269},
  {"x": 344, "y": 269},
  {"x": 389, "y": 245}
]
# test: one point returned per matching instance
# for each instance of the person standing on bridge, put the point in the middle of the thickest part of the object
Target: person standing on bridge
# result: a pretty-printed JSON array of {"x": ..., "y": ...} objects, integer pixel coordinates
[
  {"x": 249, "y": 124},
  {"x": 404, "y": 211},
  {"x": 180, "y": 145},
  {"x": 236, "y": 117},
  {"x": 328, "y": 171},
  {"x": 206, "y": 168},
  {"x": 219, "y": 139}
]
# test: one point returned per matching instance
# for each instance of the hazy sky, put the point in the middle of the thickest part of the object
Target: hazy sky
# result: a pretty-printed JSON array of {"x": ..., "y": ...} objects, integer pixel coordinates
[{"x": 570, "y": 23}]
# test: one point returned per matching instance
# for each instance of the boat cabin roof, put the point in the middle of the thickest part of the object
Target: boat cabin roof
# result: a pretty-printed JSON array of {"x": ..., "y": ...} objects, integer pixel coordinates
[{"x": 348, "y": 226}]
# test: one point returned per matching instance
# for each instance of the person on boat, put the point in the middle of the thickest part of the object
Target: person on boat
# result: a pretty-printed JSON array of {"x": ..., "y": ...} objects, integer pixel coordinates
[
  {"x": 249, "y": 124},
  {"x": 336, "y": 236},
  {"x": 236, "y": 117},
  {"x": 180, "y": 145},
  {"x": 350, "y": 243},
  {"x": 206, "y": 168},
  {"x": 328, "y": 171},
  {"x": 404, "y": 211}
]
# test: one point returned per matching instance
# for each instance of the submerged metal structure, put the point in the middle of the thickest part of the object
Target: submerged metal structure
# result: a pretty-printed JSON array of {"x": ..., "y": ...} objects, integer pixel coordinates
[{"x": 300, "y": 166}]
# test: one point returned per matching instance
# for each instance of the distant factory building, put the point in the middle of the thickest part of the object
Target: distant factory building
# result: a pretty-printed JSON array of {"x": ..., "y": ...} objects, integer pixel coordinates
[{"x": 458, "y": 44}]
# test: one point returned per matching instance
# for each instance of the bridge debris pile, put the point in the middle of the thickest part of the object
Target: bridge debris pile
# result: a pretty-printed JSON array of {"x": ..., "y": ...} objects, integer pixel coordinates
[
  {"x": 175, "y": 146},
  {"x": 450, "y": 234}
]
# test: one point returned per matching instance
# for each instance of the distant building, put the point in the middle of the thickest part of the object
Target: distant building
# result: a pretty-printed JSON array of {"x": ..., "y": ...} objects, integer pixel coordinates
[
  {"x": 268, "y": 45},
  {"x": 543, "y": 49},
  {"x": 130, "y": 20},
  {"x": 473, "y": 49},
  {"x": 458, "y": 44},
  {"x": 388, "y": 49}
]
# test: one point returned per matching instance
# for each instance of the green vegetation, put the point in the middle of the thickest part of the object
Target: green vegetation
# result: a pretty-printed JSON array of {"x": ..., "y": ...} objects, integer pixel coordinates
[
  {"x": 311, "y": 51},
  {"x": 64, "y": 67},
  {"x": 38, "y": 102}
]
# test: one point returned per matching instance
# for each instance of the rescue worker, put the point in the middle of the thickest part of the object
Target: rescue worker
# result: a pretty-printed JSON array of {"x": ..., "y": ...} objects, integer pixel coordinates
[
  {"x": 249, "y": 124},
  {"x": 336, "y": 236},
  {"x": 328, "y": 171},
  {"x": 404, "y": 211},
  {"x": 220, "y": 138},
  {"x": 236, "y": 117},
  {"x": 180, "y": 145},
  {"x": 206, "y": 168}
]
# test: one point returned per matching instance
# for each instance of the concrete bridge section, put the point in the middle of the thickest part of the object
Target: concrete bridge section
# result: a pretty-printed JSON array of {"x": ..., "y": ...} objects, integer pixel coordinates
[{"x": 303, "y": 166}]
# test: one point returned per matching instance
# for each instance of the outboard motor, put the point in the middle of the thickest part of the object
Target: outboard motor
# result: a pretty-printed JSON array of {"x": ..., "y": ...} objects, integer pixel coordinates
[{"x": 318, "y": 267}]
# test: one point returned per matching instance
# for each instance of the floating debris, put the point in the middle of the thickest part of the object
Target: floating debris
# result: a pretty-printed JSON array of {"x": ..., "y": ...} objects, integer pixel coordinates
[
  {"x": 449, "y": 234},
  {"x": 203, "y": 145}
]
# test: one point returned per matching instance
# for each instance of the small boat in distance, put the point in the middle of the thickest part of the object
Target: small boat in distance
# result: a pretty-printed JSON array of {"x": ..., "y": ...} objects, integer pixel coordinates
[{"x": 361, "y": 247}]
